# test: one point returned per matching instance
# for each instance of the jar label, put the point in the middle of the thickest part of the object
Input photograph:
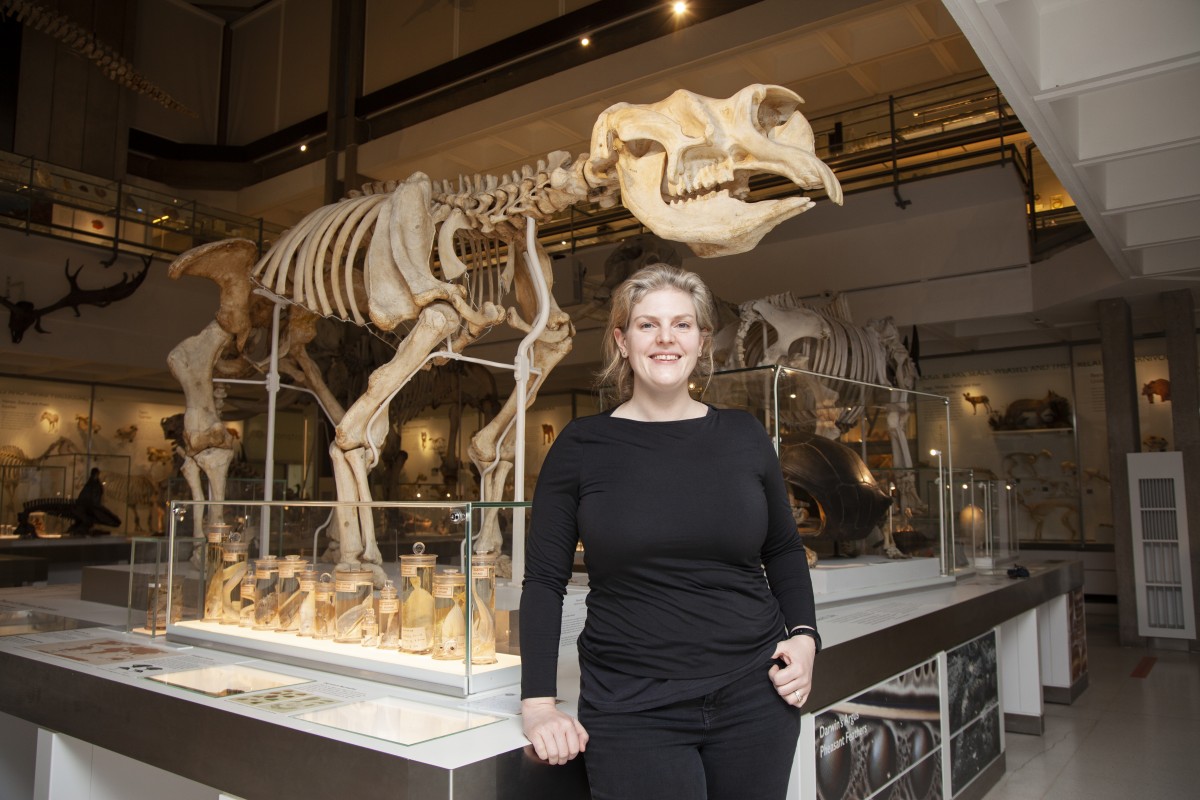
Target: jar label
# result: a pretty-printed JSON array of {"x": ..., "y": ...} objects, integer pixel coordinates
[
  {"x": 414, "y": 639},
  {"x": 389, "y": 606}
]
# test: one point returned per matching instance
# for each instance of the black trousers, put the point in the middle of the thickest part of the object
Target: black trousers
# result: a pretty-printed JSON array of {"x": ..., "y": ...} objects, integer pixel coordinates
[{"x": 737, "y": 743}]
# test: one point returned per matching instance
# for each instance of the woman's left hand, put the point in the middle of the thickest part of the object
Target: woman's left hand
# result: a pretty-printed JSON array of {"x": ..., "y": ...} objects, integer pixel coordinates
[{"x": 794, "y": 681}]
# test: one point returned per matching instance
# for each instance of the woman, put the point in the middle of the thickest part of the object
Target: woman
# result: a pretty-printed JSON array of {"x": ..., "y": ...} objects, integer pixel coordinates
[{"x": 693, "y": 662}]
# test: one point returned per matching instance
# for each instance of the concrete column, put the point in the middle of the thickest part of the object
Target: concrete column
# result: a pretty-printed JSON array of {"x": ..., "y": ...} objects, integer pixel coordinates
[
  {"x": 1120, "y": 401},
  {"x": 346, "y": 49},
  {"x": 1179, "y": 317}
]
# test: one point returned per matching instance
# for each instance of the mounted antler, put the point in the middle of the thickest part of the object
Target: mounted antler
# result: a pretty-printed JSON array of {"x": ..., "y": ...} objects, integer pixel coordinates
[{"x": 22, "y": 314}]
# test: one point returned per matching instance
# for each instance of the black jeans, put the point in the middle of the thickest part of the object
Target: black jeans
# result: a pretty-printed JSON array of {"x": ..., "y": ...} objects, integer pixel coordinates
[{"x": 737, "y": 743}]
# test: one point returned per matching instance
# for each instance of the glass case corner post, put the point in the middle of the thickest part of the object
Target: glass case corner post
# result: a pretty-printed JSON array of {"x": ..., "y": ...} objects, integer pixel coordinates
[{"x": 947, "y": 559}]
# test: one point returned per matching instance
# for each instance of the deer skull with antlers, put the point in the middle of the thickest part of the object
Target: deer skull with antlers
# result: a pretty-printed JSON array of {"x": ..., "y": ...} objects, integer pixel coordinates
[{"x": 23, "y": 315}]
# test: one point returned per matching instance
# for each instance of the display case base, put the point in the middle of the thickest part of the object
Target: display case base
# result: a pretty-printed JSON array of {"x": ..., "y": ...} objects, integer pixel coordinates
[
  {"x": 386, "y": 666},
  {"x": 867, "y": 576},
  {"x": 1065, "y": 695}
]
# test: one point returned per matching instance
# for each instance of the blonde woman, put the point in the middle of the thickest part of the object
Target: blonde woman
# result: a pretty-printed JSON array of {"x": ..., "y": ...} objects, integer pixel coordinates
[{"x": 698, "y": 648}]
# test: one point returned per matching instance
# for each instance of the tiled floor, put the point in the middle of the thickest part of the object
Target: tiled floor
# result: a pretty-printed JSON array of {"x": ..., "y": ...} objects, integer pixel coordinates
[{"x": 1124, "y": 738}]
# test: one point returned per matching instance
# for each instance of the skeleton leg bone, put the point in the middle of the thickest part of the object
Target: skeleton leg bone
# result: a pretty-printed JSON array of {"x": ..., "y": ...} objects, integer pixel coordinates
[{"x": 351, "y": 451}]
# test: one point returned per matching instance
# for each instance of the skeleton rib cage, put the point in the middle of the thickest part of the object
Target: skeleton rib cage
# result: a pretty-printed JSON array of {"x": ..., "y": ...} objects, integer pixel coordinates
[{"x": 328, "y": 261}]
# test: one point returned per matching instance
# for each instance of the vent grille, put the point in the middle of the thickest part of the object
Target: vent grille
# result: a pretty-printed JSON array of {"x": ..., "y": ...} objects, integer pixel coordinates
[{"x": 1162, "y": 573}]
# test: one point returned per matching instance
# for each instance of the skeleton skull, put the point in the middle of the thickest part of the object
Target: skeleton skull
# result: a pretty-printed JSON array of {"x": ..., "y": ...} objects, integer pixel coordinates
[{"x": 685, "y": 163}]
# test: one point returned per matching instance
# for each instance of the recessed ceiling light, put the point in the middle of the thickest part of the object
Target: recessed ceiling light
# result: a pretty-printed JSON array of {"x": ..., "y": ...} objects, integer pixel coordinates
[
  {"x": 679, "y": 7},
  {"x": 585, "y": 41},
  {"x": 303, "y": 148}
]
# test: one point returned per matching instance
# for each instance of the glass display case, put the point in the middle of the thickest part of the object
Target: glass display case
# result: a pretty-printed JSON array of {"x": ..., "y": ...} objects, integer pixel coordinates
[
  {"x": 396, "y": 623},
  {"x": 20, "y": 484},
  {"x": 987, "y": 519},
  {"x": 150, "y": 602},
  {"x": 121, "y": 495},
  {"x": 869, "y": 480}
]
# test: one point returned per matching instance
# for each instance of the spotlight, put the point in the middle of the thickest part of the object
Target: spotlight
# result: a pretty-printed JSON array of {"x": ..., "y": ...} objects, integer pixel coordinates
[
  {"x": 585, "y": 41},
  {"x": 679, "y": 7},
  {"x": 303, "y": 148}
]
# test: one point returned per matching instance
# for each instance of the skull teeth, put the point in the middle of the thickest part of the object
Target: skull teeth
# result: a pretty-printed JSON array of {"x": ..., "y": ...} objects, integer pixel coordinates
[
  {"x": 703, "y": 181},
  {"x": 676, "y": 201}
]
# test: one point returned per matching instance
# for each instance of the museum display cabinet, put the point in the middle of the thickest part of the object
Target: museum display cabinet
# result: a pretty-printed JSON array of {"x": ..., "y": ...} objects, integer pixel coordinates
[
  {"x": 149, "y": 600},
  {"x": 865, "y": 472},
  {"x": 986, "y": 510},
  {"x": 119, "y": 494},
  {"x": 21, "y": 483},
  {"x": 434, "y": 617},
  {"x": 912, "y": 698}
]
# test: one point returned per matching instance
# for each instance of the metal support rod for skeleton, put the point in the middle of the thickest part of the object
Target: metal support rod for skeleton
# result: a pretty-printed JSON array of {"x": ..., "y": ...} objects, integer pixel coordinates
[
  {"x": 264, "y": 533},
  {"x": 522, "y": 362}
]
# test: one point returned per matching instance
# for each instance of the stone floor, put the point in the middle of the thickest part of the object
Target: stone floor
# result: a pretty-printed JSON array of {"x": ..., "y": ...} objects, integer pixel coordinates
[{"x": 1124, "y": 738}]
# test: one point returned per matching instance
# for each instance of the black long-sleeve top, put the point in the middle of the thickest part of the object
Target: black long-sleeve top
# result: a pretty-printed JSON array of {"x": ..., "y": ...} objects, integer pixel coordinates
[{"x": 678, "y": 521}]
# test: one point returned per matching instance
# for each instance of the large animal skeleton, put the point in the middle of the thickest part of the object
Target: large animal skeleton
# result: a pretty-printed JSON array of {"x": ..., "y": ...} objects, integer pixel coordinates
[
  {"x": 84, "y": 42},
  {"x": 15, "y": 466},
  {"x": 682, "y": 166},
  {"x": 783, "y": 330}
]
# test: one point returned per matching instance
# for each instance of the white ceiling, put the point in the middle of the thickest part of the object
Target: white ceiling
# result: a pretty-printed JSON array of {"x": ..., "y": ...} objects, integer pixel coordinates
[
  {"x": 1110, "y": 92},
  {"x": 1106, "y": 88},
  {"x": 1109, "y": 110}
]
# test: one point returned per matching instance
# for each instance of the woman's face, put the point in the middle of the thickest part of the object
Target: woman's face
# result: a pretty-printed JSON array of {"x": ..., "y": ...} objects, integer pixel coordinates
[{"x": 662, "y": 340}]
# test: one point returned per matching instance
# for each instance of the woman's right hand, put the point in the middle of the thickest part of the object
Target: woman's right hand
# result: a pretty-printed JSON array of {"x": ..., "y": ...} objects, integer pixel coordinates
[{"x": 556, "y": 737}]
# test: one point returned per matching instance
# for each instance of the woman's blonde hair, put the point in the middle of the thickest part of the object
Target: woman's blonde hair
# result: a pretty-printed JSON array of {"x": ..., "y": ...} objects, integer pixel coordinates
[{"x": 615, "y": 378}]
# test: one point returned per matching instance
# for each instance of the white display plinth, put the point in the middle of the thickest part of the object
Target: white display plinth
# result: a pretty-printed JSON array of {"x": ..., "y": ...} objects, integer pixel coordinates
[
  {"x": 387, "y": 666},
  {"x": 873, "y": 575}
]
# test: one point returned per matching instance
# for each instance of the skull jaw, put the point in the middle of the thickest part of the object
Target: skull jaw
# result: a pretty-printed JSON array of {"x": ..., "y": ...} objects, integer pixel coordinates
[{"x": 712, "y": 225}]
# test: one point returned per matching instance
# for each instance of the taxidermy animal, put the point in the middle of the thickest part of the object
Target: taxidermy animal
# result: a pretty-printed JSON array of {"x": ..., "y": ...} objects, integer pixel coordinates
[
  {"x": 1160, "y": 387},
  {"x": 1051, "y": 411},
  {"x": 976, "y": 400},
  {"x": 51, "y": 420},
  {"x": 127, "y": 434},
  {"x": 681, "y": 166}
]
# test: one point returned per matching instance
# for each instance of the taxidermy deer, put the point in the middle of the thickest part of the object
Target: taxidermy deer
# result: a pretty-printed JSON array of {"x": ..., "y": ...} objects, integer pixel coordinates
[
  {"x": 22, "y": 315},
  {"x": 681, "y": 166}
]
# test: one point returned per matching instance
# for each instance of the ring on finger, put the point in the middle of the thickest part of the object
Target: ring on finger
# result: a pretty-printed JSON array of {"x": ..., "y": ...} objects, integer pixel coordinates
[{"x": 796, "y": 694}]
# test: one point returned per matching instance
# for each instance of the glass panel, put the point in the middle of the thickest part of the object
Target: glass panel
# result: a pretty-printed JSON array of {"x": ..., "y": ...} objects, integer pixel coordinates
[
  {"x": 463, "y": 648},
  {"x": 865, "y": 470}
]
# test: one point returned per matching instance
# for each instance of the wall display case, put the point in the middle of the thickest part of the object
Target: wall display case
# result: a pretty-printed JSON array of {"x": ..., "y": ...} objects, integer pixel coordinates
[
  {"x": 463, "y": 648},
  {"x": 115, "y": 474},
  {"x": 870, "y": 480},
  {"x": 21, "y": 483}
]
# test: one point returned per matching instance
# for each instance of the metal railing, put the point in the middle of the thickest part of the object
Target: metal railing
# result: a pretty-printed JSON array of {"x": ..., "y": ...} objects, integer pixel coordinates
[
  {"x": 39, "y": 198},
  {"x": 960, "y": 126}
]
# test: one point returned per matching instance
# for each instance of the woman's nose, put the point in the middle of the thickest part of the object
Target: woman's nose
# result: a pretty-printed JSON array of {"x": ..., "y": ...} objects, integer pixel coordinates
[{"x": 666, "y": 334}]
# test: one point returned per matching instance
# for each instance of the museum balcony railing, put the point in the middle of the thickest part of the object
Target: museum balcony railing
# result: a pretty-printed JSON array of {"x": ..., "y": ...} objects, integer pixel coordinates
[{"x": 44, "y": 199}]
